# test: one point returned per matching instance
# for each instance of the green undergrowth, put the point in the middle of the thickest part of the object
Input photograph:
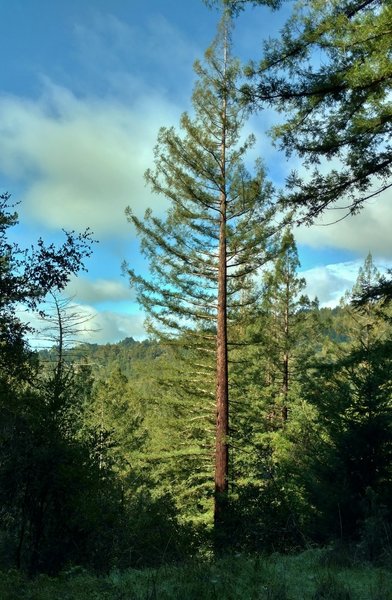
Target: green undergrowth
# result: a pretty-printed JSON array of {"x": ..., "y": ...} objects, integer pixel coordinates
[{"x": 307, "y": 576}]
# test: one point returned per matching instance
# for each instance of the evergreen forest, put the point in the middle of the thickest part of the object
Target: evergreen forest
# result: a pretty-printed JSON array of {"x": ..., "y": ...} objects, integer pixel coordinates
[{"x": 243, "y": 449}]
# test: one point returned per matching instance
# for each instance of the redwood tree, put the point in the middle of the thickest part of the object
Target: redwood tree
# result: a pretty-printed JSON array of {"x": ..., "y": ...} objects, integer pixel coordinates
[{"x": 217, "y": 231}]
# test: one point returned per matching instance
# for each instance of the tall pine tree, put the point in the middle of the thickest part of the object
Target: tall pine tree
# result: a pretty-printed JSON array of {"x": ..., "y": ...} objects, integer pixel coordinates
[{"x": 217, "y": 231}]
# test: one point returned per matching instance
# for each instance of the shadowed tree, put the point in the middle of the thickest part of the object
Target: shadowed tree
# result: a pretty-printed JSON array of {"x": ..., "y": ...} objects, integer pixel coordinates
[
  {"x": 352, "y": 393},
  {"x": 34, "y": 437},
  {"x": 26, "y": 277}
]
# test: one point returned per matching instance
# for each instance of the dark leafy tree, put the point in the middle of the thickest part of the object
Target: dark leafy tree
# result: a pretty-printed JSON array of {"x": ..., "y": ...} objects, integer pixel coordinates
[
  {"x": 37, "y": 437},
  {"x": 380, "y": 291},
  {"x": 352, "y": 394},
  {"x": 26, "y": 277},
  {"x": 330, "y": 73}
]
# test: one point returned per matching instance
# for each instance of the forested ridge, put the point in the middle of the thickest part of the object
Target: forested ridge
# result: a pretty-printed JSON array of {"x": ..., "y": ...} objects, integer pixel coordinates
[{"x": 250, "y": 421}]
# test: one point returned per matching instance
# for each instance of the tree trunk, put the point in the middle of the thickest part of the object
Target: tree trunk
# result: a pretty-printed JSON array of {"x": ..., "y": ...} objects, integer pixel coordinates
[
  {"x": 222, "y": 392},
  {"x": 285, "y": 383},
  {"x": 222, "y": 375}
]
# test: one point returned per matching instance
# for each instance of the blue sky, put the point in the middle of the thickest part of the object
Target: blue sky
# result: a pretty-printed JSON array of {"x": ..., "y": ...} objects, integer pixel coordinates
[{"x": 85, "y": 86}]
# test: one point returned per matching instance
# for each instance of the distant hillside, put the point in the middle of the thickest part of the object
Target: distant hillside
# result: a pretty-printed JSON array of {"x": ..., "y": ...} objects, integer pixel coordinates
[
  {"x": 128, "y": 355},
  {"x": 132, "y": 356}
]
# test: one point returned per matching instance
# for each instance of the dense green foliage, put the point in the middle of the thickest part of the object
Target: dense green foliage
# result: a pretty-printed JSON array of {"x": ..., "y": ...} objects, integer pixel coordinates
[
  {"x": 71, "y": 487},
  {"x": 311, "y": 435}
]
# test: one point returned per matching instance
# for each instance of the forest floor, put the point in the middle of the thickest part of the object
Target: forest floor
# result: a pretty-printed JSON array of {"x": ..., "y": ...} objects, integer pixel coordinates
[{"x": 309, "y": 575}]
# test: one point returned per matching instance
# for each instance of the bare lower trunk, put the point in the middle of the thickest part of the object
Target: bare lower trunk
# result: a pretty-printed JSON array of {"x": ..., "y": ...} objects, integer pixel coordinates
[
  {"x": 222, "y": 393},
  {"x": 285, "y": 386}
]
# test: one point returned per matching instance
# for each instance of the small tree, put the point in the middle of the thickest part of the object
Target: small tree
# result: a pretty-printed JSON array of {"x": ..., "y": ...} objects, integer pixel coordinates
[
  {"x": 289, "y": 321},
  {"x": 115, "y": 417},
  {"x": 26, "y": 277},
  {"x": 62, "y": 324},
  {"x": 270, "y": 414}
]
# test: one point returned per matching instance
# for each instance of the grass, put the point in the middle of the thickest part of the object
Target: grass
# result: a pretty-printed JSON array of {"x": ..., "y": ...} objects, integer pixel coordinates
[{"x": 301, "y": 577}]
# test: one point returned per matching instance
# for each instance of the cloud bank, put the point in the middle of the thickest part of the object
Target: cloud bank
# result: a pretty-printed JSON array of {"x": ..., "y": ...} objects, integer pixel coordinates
[
  {"x": 81, "y": 161},
  {"x": 330, "y": 282},
  {"x": 368, "y": 231},
  {"x": 97, "y": 326},
  {"x": 80, "y": 149},
  {"x": 96, "y": 291}
]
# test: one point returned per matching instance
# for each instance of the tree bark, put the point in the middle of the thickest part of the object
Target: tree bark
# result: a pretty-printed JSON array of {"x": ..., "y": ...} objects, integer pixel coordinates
[
  {"x": 222, "y": 392},
  {"x": 222, "y": 375},
  {"x": 285, "y": 386}
]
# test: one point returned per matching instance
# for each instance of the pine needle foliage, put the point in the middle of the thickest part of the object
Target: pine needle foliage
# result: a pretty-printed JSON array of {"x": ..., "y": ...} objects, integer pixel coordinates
[{"x": 218, "y": 230}]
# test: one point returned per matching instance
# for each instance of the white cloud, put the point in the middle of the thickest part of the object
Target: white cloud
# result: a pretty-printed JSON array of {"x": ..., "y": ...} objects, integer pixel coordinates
[
  {"x": 330, "y": 282},
  {"x": 100, "y": 290},
  {"x": 368, "y": 231},
  {"x": 79, "y": 151},
  {"x": 81, "y": 160},
  {"x": 112, "y": 327}
]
